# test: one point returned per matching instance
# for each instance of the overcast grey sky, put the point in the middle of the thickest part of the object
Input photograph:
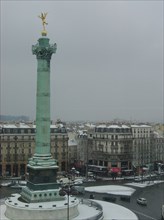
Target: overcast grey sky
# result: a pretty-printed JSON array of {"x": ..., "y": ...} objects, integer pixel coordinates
[{"x": 108, "y": 63}]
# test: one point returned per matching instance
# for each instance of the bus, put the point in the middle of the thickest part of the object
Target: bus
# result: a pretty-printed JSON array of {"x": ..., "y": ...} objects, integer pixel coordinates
[{"x": 98, "y": 170}]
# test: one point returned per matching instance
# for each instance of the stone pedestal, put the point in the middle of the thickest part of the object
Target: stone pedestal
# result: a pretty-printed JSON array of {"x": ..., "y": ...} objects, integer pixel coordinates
[{"x": 18, "y": 210}]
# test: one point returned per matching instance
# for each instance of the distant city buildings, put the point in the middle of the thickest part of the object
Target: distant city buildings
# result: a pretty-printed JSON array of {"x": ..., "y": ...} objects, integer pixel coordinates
[{"x": 116, "y": 147}]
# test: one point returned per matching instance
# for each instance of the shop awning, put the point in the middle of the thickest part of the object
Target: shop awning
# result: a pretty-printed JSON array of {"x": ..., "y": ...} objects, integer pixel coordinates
[{"x": 115, "y": 170}]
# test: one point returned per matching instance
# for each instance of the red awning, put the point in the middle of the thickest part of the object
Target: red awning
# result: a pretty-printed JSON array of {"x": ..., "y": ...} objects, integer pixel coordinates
[{"x": 115, "y": 169}]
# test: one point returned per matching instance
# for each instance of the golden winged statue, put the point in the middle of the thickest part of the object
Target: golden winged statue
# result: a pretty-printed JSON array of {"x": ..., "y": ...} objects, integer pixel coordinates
[{"x": 43, "y": 17}]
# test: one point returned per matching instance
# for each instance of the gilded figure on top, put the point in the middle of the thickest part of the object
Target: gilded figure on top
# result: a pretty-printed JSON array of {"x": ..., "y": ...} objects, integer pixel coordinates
[{"x": 43, "y": 17}]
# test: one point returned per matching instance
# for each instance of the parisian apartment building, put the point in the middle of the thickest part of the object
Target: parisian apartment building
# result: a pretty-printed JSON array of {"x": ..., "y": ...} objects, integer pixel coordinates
[
  {"x": 120, "y": 146},
  {"x": 17, "y": 143}
]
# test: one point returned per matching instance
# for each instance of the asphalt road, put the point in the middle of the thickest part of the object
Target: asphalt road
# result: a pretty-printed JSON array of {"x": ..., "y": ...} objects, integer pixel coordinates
[{"x": 155, "y": 198}]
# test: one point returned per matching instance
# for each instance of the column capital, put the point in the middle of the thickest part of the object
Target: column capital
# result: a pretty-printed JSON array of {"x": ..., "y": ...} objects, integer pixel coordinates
[{"x": 44, "y": 50}]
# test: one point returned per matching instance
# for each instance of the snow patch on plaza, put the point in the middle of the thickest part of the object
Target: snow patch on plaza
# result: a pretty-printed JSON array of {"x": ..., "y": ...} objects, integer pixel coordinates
[
  {"x": 144, "y": 184},
  {"x": 110, "y": 211},
  {"x": 111, "y": 189}
]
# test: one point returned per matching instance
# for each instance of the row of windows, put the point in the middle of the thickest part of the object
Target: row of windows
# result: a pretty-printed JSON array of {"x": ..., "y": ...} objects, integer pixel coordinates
[
  {"x": 15, "y": 138},
  {"x": 142, "y": 131},
  {"x": 32, "y": 138},
  {"x": 28, "y": 130},
  {"x": 113, "y": 130},
  {"x": 141, "y": 135},
  {"x": 17, "y": 131},
  {"x": 116, "y": 137},
  {"x": 113, "y": 147}
]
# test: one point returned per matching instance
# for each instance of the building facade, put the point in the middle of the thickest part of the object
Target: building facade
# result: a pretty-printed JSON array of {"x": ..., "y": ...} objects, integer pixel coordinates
[
  {"x": 142, "y": 145},
  {"x": 109, "y": 146},
  {"x": 158, "y": 148},
  {"x": 17, "y": 144},
  {"x": 120, "y": 146}
]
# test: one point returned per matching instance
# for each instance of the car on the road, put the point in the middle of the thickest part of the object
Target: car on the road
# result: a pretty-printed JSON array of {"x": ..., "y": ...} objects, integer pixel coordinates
[{"x": 142, "y": 201}]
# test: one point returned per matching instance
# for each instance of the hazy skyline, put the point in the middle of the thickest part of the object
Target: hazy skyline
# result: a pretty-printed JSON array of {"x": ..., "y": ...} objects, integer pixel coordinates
[{"x": 108, "y": 63}]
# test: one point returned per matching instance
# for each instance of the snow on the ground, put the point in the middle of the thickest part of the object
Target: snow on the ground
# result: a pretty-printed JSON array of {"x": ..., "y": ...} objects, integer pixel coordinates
[
  {"x": 144, "y": 184},
  {"x": 2, "y": 211},
  {"x": 85, "y": 212},
  {"x": 111, "y": 189},
  {"x": 112, "y": 211}
]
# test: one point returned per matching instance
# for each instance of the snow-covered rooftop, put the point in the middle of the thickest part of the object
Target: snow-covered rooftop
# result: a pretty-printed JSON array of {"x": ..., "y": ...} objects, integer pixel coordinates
[
  {"x": 90, "y": 125},
  {"x": 140, "y": 126},
  {"x": 22, "y": 125},
  {"x": 125, "y": 126},
  {"x": 113, "y": 126},
  {"x": 9, "y": 126},
  {"x": 82, "y": 132},
  {"x": 53, "y": 126}
]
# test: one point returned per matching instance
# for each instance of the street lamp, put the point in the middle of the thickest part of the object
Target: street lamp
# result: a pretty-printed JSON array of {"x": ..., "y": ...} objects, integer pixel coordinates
[{"x": 66, "y": 190}]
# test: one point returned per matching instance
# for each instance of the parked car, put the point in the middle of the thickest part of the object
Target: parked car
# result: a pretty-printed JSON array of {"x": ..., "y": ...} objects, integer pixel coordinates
[{"x": 142, "y": 201}]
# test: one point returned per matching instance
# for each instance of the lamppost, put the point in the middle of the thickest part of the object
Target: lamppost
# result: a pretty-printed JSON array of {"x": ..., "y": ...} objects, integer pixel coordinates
[
  {"x": 86, "y": 157},
  {"x": 142, "y": 155},
  {"x": 159, "y": 170},
  {"x": 68, "y": 156},
  {"x": 66, "y": 190}
]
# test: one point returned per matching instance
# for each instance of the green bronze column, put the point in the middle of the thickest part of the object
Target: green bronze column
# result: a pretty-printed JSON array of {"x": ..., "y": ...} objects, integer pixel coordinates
[
  {"x": 42, "y": 167},
  {"x": 43, "y": 51}
]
